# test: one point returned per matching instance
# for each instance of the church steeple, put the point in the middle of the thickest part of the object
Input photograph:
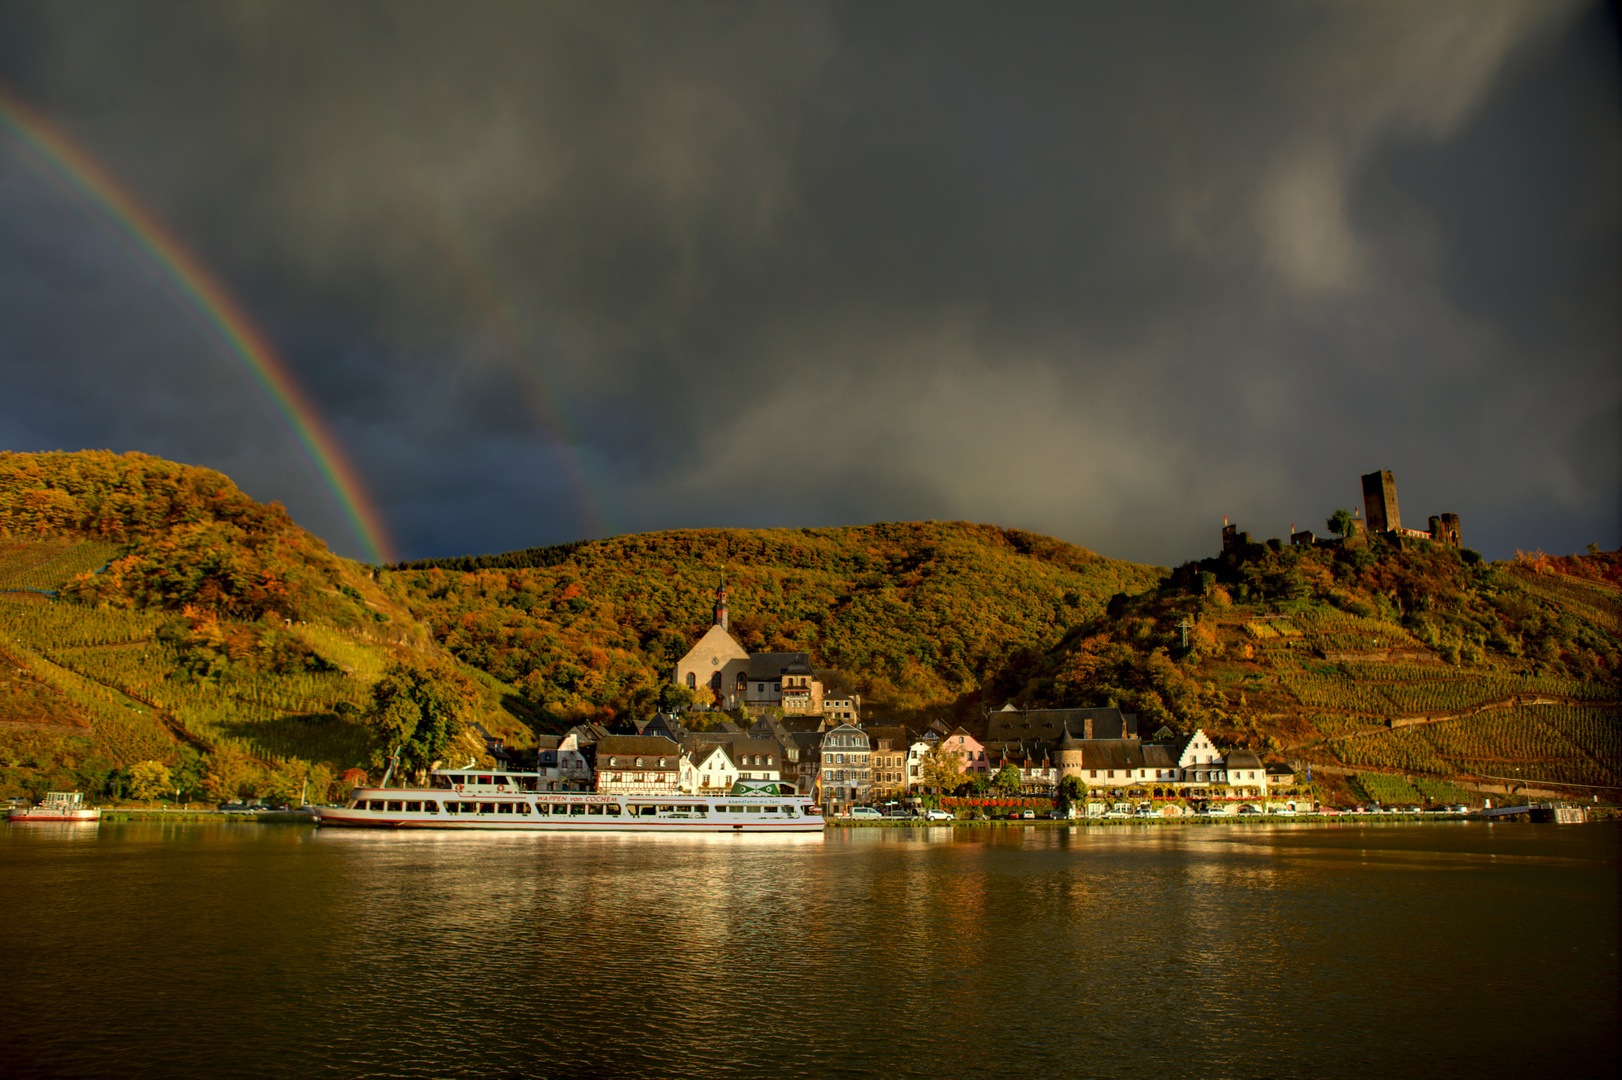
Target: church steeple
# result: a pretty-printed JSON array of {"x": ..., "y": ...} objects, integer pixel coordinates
[{"x": 721, "y": 604}]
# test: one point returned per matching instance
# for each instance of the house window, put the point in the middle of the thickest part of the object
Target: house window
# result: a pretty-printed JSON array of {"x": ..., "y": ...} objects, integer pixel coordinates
[{"x": 692, "y": 681}]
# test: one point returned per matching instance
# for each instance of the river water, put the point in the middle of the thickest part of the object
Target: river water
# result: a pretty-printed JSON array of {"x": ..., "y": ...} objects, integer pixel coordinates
[{"x": 1357, "y": 951}]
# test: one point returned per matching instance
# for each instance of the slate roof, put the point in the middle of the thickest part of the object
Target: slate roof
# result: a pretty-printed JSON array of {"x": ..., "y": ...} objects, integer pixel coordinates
[
  {"x": 649, "y": 747},
  {"x": 1015, "y": 725},
  {"x": 766, "y": 666},
  {"x": 1109, "y": 753},
  {"x": 1161, "y": 755},
  {"x": 900, "y": 736},
  {"x": 699, "y": 748},
  {"x": 1243, "y": 759}
]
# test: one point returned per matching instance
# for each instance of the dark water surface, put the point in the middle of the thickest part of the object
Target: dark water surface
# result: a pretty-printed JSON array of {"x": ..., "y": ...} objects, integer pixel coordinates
[{"x": 1358, "y": 951}]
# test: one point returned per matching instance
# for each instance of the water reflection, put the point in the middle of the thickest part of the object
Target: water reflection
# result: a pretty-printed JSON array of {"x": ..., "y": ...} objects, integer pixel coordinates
[{"x": 245, "y": 950}]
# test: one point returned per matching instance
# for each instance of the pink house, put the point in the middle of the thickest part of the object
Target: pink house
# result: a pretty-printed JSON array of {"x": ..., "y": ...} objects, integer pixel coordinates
[{"x": 969, "y": 751}]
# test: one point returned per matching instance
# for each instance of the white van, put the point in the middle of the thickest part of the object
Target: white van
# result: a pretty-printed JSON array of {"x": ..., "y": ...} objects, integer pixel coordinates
[{"x": 864, "y": 812}]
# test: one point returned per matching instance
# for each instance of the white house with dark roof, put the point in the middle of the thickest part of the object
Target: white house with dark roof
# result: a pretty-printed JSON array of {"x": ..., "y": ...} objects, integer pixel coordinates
[{"x": 706, "y": 768}]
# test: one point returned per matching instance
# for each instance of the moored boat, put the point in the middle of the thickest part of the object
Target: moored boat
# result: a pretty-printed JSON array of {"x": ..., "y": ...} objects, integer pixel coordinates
[
  {"x": 56, "y": 806},
  {"x": 495, "y": 800}
]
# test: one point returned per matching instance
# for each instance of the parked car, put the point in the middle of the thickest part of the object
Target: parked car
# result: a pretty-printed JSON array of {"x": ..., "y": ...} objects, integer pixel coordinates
[
  {"x": 1249, "y": 810},
  {"x": 937, "y": 815},
  {"x": 1025, "y": 814},
  {"x": 865, "y": 812},
  {"x": 901, "y": 814}
]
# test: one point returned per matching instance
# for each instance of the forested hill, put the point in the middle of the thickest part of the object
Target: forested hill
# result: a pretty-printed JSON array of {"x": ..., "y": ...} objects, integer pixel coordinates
[
  {"x": 154, "y": 617},
  {"x": 915, "y": 615},
  {"x": 1388, "y": 664},
  {"x": 162, "y": 631}
]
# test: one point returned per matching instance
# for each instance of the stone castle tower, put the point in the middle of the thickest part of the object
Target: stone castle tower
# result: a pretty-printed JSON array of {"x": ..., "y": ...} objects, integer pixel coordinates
[{"x": 1380, "y": 501}]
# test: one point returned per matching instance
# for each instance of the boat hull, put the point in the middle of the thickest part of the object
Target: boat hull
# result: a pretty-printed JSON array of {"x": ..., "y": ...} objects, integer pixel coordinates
[{"x": 35, "y": 814}]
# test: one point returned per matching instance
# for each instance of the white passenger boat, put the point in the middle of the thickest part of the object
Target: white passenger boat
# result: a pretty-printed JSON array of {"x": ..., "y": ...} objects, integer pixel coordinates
[
  {"x": 491, "y": 799},
  {"x": 56, "y": 806}
]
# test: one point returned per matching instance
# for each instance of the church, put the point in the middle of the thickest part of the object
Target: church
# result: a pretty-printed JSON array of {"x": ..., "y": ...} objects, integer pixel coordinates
[{"x": 735, "y": 677}]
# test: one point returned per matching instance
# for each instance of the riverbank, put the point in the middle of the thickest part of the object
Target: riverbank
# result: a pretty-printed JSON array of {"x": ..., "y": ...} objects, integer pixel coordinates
[
  {"x": 1246, "y": 819},
  {"x": 269, "y": 817}
]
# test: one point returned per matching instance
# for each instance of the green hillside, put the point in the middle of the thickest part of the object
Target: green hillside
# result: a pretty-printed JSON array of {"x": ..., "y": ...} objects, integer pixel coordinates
[
  {"x": 1418, "y": 660},
  {"x": 153, "y": 615}
]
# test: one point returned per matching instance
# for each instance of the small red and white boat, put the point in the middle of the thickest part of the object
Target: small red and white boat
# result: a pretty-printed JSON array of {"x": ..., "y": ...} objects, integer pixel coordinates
[{"x": 57, "y": 806}]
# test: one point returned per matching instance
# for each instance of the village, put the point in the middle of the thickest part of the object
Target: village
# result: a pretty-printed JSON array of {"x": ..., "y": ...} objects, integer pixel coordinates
[{"x": 806, "y": 729}]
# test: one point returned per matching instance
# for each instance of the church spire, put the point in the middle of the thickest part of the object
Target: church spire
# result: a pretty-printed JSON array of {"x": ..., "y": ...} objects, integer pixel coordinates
[{"x": 721, "y": 604}]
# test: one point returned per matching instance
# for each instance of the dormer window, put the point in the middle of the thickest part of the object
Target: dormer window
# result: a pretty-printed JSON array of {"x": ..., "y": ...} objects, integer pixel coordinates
[{"x": 639, "y": 763}]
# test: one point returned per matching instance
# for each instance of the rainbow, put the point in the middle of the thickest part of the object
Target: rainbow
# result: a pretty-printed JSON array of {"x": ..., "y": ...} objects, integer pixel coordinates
[{"x": 120, "y": 209}]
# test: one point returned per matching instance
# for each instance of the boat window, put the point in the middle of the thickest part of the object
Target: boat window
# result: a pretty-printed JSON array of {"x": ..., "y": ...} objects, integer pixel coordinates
[
  {"x": 484, "y": 779},
  {"x": 694, "y": 809},
  {"x": 430, "y": 806},
  {"x": 595, "y": 810},
  {"x": 393, "y": 806},
  {"x": 789, "y": 810},
  {"x": 413, "y": 807},
  {"x": 543, "y": 808},
  {"x": 754, "y": 809},
  {"x": 667, "y": 809},
  {"x": 487, "y": 807},
  {"x": 577, "y": 809},
  {"x": 648, "y": 811},
  {"x": 523, "y": 808},
  {"x": 450, "y": 807},
  {"x": 613, "y": 809}
]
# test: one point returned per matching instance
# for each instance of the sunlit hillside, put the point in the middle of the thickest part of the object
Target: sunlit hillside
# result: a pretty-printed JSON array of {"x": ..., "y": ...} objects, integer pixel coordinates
[
  {"x": 151, "y": 612},
  {"x": 1371, "y": 662}
]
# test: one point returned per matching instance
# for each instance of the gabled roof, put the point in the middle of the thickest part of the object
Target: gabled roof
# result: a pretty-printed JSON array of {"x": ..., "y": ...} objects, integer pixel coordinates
[
  {"x": 717, "y": 644},
  {"x": 699, "y": 751}
]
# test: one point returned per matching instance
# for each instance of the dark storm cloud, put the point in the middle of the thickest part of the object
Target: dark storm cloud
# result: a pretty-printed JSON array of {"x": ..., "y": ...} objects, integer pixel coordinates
[{"x": 1103, "y": 271}]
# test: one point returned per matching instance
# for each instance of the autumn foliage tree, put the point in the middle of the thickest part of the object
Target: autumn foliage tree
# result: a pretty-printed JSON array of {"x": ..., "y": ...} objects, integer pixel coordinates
[{"x": 418, "y": 710}]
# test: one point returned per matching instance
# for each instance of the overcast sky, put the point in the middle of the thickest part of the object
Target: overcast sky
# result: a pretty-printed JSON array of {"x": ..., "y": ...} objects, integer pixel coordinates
[{"x": 1105, "y": 271}]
